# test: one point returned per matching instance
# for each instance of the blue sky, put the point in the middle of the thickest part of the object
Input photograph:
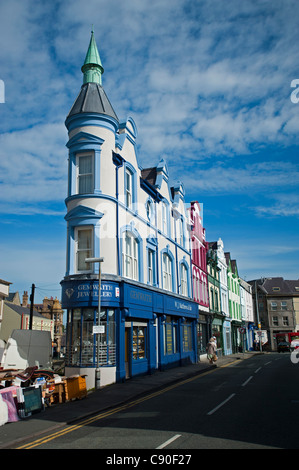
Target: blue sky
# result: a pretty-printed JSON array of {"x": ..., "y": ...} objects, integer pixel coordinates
[{"x": 208, "y": 84}]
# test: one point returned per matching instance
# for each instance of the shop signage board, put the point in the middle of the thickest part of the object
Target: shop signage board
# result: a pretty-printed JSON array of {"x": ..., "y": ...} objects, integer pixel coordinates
[{"x": 86, "y": 293}]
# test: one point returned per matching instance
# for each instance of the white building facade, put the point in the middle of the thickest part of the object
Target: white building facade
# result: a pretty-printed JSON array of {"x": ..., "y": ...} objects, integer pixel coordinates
[
  {"x": 224, "y": 298},
  {"x": 247, "y": 313},
  {"x": 136, "y": 221}
]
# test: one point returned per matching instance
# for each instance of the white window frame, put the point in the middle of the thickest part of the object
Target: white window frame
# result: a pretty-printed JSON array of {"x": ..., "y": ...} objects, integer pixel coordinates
[
  {"x": 78, "y": 175},
  {"x": 130, "y": 256},
  {"x": 151, "y": 266},
  {"x": 164, "y": 218},
  {"x": 89, "y": 252},
  {"x": 182, "y": 232},
  {"x": 184, "y": 280},
  {"x": 129, "y": 188},
  {"x": 167, "y": 272}
]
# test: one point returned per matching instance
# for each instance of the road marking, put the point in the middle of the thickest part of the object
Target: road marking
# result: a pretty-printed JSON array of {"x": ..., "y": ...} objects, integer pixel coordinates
[
  {"x": 221, "y": 404},
  {"x": 166, "y": 443},
  {"x": 257, "y": 370},
  {"x": 105, "y": 414},
  {"x": 246, "y": 381},
  {"x": 268, "y": 363}
]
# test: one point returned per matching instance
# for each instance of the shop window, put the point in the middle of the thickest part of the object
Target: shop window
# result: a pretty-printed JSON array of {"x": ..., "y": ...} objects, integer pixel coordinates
[
  {"x": 187, "y": 337},
  {"x": 202, "y": 337},
  {"x": 87, "y": 350},
  {"x": 74, "y": 339},
  {"x": 228, "y": 338},
  {"x": 107, "y": 349},
  {"x": 81, "y": 342},
  {"x": 139, "y": 342},
  {"x": 170, "y": 329}
]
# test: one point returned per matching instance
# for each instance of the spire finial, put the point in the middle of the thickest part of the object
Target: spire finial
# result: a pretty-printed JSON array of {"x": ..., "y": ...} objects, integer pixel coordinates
[{"x": 92, "y": 67}]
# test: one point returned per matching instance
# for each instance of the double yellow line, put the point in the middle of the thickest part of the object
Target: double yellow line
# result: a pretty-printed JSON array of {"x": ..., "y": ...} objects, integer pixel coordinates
[{"x": 105, "y": 414}]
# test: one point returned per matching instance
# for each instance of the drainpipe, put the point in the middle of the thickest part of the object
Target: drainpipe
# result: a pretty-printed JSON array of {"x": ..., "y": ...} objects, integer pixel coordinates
[{"x": 118, "y": 162}]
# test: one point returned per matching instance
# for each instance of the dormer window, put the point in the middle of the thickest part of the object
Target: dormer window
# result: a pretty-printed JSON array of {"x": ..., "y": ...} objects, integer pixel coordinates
[{"x": 149, "y": 211}]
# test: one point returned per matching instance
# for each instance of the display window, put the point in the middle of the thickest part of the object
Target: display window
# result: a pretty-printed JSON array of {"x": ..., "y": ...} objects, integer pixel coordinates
[
  {"x": 82, "y": 342},
  {"x": 187, "y": 336},
  {"x": 139, "y": 342},
  {"x": 170, "y": 330}
]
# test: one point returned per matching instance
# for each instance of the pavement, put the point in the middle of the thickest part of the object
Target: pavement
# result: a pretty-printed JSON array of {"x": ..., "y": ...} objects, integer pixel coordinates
[{"x": 58, "y": 415}]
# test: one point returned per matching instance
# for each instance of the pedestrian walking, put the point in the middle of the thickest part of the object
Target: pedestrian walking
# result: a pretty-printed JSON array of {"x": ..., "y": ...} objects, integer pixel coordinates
[{"x": 211, "y": 351}]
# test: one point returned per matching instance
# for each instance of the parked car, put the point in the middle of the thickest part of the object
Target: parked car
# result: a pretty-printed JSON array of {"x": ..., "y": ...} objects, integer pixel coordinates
[{"x": 283, "y": 346}]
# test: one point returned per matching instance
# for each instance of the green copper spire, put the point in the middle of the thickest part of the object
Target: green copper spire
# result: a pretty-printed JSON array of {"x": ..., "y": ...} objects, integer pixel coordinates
[{"x": 92, "y": 67}]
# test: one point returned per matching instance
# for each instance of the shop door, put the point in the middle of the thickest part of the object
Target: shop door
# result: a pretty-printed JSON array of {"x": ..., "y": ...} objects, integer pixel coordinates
[{"x": 127, "y": 349}]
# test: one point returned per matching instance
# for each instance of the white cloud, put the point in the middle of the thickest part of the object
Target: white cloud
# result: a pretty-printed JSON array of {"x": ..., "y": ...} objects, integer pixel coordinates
[
  {"x": 33, "y": 166},
  {"x": 284, "y": 205},
  {"x": 255, "y": 177}
]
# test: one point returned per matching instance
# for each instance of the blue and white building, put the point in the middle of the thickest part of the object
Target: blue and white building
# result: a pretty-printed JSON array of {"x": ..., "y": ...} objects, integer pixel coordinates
[{"x": 136, "y": 221}]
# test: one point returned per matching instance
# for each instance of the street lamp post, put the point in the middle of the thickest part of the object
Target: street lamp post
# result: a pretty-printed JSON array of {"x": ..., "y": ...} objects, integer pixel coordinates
[{"x": 97, "y": 371}]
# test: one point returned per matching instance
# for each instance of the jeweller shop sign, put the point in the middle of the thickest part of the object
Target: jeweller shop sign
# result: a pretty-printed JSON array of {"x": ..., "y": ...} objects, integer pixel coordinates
[{"x": 86, "y": 293}]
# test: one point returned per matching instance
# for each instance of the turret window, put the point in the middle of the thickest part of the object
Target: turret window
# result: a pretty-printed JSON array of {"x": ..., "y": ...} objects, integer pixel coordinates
[
  {"x": 84, "y": 248},
  {"x": 85, "y": 174}
]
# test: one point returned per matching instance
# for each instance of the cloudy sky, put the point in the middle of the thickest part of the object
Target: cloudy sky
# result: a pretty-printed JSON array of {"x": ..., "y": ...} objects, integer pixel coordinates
[{"x": 208, "y": 84}]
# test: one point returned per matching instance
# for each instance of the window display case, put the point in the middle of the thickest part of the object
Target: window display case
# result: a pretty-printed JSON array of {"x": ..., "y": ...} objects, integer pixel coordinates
[{"x": 138, "y": 342}]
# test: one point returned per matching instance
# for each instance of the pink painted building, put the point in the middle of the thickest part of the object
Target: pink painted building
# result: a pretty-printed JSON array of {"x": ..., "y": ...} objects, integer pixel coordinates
[{"x": 199, "y": 274}]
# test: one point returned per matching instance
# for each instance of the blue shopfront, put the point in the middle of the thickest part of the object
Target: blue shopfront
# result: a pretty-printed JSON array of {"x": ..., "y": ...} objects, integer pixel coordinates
[{"x": 142, "y": 329}]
